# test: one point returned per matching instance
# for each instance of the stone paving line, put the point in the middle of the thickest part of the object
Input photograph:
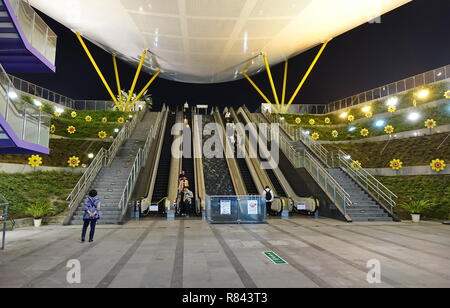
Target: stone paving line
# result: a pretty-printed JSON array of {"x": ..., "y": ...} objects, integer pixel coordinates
[{"x": 191, "y": 253}]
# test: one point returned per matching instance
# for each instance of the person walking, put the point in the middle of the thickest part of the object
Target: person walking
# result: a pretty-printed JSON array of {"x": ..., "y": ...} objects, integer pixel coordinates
[
  {"x": 269, "y": 196},
  {"x": 90, "y": 215}
]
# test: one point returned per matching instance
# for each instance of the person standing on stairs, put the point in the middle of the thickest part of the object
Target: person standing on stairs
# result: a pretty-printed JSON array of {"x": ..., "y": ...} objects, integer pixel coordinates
[
  {"x": 90, "y": 215},
  {"x": 268, "y": 195}
]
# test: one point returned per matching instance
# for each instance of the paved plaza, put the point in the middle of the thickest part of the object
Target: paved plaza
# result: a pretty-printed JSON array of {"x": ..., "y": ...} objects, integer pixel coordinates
[{"x": 194, "y": 254}]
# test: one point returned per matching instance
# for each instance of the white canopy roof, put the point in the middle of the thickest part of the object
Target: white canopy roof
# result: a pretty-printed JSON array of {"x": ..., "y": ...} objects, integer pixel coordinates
[{"x": 211, "y": 41}]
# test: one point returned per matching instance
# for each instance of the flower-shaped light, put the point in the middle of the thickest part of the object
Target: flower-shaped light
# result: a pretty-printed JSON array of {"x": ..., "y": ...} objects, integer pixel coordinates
[
  {"x": 105, "y": 120},
  {"x": 74, "y": 161},
  {"x": 312, "y": 122},
  {"x": 334, "y": 133},
  {"x": 298, "y": 120},
  {"x": 73, "y": 114},
  {"x": 447, "y": 94},
  {"x": 121, "y": 120},
  {"x": 369, "y": 114},
  {"x": 327, "y": 120},
  {"x": 430, "y": 123},
  {"x": 315, "y": 136},
  {"x": 356, "y": 165},
  {"x": 364, "y": 132},
  {"x": 396, "y": 164},
  {"x": 392, "y": 109},
  {"x": 71, "y": 130},
  {"x": 438, "y": 165},
  {"x": 351, "y": 118},
  {"x": 52, "y": 128},
  {"x": 57, "y": 114},
  {"x": 35, "y": 161},
  {"x": 389, "y": 129},
  {"x": 88, "y": 119},
  {"x": 102, "y": 135}
]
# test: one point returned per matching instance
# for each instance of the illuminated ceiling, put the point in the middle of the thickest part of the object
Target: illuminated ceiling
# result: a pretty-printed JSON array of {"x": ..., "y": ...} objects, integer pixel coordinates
[{"x": 211, "y": 41}]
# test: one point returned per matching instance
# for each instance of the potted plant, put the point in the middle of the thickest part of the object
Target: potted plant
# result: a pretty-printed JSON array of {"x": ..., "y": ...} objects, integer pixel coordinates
[
  {"x": 39, "y": 210},
  {"x": 416, "y": 207}
]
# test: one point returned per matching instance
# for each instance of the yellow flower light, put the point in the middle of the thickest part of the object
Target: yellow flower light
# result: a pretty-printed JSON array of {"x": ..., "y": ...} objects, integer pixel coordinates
[
  {"x": 396, "y": 164},
  {"x": 327, "y": 120},
  {"x": 315, "y": 136},
  {"x": 364, "y": 132},
  {"x": 105, "y": 120},
  {"x": 73, "y": 114},
  {"x": 351, "y": 118},
  {"x": 74, "y": 161},
  {"x": 52, "y": 129},
  {"x": 430, "y": 123},
  {"x": 447, "y": 94},
  {"x": 88, "y": 119},
  {"x": 35, "y": 161},
  {"x": 438, "y": 165},
  {"x": 389, "y": 129},
  {"x": 298, "y": 120},
  {"x": 102, "y": 135},
  {"x": 334, "y": 133},
  {"x": 369, "y": 114},
  {"x": 71, "y": 130},
  {"x": 312, "y": 122},
  {"x": 57, "y": 114},
  {"x": 392, "y": 109},
  {"x": 356, "y": 165},
  {"x": 121, "y": 120}
]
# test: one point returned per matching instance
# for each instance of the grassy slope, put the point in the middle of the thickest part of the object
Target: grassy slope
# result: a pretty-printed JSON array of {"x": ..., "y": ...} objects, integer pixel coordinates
[
  {"x": 416, "y": 151},
  {"x": 21, "y": 189},
  {"x": 434, "y": 188},
  {"x": 61, "y": 150}
]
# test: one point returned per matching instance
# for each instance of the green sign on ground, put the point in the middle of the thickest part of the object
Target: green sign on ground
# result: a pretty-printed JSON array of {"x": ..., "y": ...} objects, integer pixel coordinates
[{"x": 276, "y": 259}]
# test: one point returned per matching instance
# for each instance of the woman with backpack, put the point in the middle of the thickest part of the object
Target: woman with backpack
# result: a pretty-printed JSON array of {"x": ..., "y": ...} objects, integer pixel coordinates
[
  {"x": 90, "y": 215},
  {"x": 268, "y": 195}
]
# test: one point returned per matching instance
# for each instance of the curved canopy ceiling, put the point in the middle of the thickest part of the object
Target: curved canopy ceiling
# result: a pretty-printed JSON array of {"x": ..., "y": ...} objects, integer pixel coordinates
[{"x": 211, "y": 41}]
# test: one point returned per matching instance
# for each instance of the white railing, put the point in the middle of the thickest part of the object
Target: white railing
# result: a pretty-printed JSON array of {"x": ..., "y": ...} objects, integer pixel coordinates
[
  {"x": 375, "y": 188},
  {"x": 38, "y": 34}
]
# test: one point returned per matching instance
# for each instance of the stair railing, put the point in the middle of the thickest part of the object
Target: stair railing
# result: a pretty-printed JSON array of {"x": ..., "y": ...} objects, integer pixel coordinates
[
  {"x": 85, "y": 182},
  {"x": 383, "y": 195},
  {"x": 302, "y": 159}
]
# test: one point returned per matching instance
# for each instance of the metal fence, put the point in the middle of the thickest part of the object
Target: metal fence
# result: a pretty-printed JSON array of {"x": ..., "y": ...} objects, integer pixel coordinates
[{"x": 406, "y": 84}]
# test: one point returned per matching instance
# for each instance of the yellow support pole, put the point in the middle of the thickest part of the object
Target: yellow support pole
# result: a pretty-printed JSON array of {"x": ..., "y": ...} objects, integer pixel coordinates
[
  {"x": 269, "y": 73},
  {"x": 105, "y": 83},
  {"x": 283, "y": 98},
  {"x": 257, "y": 88},
  {"x": 136, "y": 76},
  {"x": 119, "y": 88},
  {"x": 307, "y": 74},
  {"x": 144, "y": 89}
]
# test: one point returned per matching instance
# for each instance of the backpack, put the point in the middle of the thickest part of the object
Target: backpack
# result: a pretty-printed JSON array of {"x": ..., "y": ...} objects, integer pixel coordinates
[{"x": 268, "y": 195}]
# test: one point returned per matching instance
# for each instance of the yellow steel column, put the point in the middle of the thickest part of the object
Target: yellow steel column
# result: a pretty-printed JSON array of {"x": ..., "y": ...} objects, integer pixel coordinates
[
  {"x": 144, "y": 89},
  {"x": 283, "y": 98},
  {"x": 307, "y": 74},
  {"x": 105, "y": 83},
  {"x": 257, "y": 88},
  {"x": 119, "y": 89},
  {"x": 269, "y": 73},
  {"x": 138, "y": 71}
]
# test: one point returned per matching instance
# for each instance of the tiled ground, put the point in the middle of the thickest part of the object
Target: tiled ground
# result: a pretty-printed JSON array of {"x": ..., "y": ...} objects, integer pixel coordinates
[{"x": 191, "y": 253}]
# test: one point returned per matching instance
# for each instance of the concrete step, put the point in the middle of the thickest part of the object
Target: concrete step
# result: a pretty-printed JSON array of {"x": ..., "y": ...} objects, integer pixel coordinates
[{"x": 371, "y": 219}]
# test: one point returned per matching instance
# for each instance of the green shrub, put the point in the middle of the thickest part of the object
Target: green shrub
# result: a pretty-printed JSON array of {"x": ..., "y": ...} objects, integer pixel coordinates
[
  {"x": 417, "y": 206},
  {"x": 40, "y": 209}
]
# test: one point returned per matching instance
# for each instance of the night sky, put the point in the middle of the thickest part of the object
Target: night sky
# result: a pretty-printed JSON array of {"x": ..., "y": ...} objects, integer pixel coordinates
[{"x": 410, "y": 40}]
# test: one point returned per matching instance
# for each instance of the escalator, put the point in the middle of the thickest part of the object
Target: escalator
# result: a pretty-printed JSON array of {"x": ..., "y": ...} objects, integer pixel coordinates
[
  {"x": 217, "y": 176},
  {"x": 270, "y": 173},
  {"x": 243, "y": 169},
  {"x": 160, "y": 190},
  {"x": 187, "y": 163}
]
